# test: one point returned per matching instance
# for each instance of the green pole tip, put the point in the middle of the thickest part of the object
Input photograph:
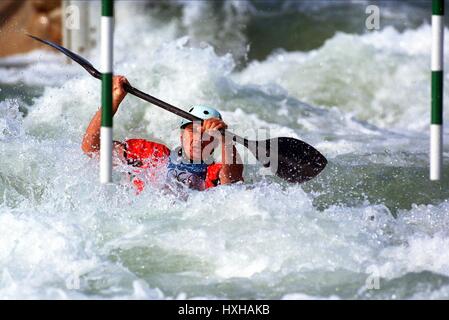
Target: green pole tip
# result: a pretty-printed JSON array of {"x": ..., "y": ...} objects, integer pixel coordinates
[
  {"x": 438, "y": 7},
  {"x": 107, "y": 8}
]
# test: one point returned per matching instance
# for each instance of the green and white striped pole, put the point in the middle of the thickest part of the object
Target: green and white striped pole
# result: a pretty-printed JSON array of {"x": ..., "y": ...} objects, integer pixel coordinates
[
  {"x": 107, "y": 25},
  {"x": 436, "y": 123}
]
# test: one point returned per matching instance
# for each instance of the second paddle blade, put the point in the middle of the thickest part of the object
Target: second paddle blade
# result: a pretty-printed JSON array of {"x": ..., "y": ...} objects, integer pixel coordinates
[{"x": 290, "y": 159}]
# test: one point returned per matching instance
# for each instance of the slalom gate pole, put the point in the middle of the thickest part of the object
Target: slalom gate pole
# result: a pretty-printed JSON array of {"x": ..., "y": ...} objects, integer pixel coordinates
[
  {"x": 436, "y": 122},
  {"x": 107, "y": 25}
]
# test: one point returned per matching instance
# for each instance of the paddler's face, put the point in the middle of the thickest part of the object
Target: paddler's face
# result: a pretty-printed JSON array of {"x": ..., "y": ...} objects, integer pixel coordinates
[{"x": 193, "y": 144}]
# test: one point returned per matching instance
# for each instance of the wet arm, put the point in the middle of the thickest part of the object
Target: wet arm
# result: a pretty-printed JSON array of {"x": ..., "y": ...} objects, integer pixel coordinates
[
  {"x": 91, "y": 140},
  {"x": 232, "y": 168}
]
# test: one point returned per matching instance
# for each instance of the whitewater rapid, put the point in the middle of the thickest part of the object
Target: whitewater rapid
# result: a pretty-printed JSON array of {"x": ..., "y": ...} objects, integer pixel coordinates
[{"x": 372, "y": 215}]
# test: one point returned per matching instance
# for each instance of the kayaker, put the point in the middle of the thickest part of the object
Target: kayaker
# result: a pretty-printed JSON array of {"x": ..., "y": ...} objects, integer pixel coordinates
[{"x": 191, "y": 165}]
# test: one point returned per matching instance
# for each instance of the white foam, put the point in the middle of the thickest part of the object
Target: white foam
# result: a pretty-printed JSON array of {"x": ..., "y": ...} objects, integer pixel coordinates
[{"x": 374, "y": 75}]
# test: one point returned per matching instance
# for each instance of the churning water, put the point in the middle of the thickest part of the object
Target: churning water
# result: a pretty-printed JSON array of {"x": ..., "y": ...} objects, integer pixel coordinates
[{"x": 309, "y": 70}]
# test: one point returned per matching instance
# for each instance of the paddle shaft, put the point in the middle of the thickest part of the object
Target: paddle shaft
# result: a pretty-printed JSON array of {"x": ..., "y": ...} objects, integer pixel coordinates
[
  {"x": 296, "y": 161},
  {"x": 136, "y": 92}
]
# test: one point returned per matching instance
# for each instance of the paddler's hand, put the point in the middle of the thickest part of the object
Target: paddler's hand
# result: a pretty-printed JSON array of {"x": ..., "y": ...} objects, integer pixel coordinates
[
  {"x": 118, "y": 92},
  {"x": 212, "y": 130},
  {"x": 210, "y": 126}
]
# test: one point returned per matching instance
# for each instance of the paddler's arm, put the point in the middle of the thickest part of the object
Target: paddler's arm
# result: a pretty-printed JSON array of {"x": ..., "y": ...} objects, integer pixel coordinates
[
  {"x": 232, "y": 168},
  {"x": 91, "y": 140}
]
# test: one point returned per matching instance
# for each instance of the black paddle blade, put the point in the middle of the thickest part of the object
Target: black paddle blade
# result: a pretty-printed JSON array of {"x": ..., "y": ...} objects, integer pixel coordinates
[
  {"x": 298, "y": 161},
  {"x": 290, "y": 159},
  {"x": 83, "y": 62}
]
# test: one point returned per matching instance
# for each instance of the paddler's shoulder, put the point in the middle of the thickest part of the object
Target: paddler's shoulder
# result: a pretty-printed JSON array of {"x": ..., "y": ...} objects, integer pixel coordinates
[{"x": 143, "y": 148}]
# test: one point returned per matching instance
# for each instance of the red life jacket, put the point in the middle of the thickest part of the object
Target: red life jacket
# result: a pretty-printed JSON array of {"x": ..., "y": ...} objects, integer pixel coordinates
[{"x": 148, "y": 155}]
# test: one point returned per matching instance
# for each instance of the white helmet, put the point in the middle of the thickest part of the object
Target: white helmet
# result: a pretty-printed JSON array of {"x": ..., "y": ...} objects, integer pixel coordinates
[{"x": 201, "y": 112}]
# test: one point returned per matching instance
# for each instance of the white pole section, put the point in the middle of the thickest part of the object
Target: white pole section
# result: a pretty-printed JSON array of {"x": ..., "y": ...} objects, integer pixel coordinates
[
  {"x": 106, "y": 91},
  {"x": 436, "y": 122}
]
